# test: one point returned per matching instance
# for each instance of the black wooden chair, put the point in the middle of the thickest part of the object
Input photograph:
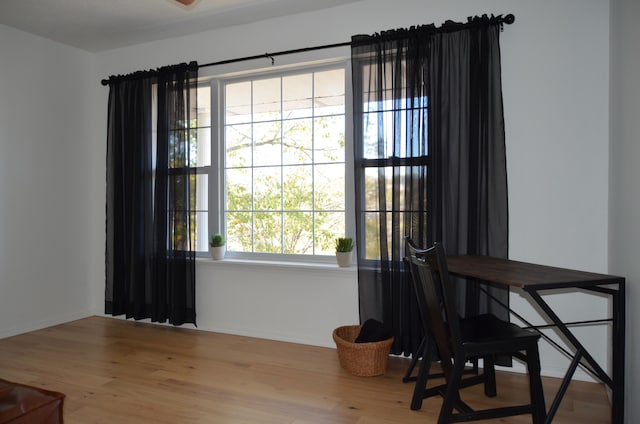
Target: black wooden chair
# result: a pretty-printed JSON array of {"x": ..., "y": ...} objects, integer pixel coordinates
[
  {"x": 426, "y": 351},
  {"x": 460, "y": 340}
]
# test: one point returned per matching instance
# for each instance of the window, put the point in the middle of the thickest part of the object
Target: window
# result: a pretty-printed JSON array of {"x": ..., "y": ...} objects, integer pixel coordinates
[
  {"x": 278, "y": 175},
  {"x": 392, "y": 162}
]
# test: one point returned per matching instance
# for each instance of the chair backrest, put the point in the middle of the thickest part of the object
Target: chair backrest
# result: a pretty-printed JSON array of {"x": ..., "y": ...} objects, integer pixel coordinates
[{"x": 436, "y": 298}]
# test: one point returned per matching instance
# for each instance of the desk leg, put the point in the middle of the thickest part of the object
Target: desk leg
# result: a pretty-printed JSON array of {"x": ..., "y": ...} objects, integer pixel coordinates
[
  {"x": 616, "y": 382},
  {"x": 618, "y": 335},
  {"x": 618, "y": 330}
]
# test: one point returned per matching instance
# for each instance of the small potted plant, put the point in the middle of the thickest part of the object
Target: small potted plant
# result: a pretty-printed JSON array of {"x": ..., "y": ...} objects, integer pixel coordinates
[
  {"x": 344, "y": 247},
  {"x": 217, "y": 246}
]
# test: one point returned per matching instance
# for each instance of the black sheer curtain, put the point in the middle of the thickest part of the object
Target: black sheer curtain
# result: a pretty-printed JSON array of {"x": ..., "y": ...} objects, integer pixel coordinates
[
  {"x": 151, "y": 148},
  {"x": 430, "y": 161}
]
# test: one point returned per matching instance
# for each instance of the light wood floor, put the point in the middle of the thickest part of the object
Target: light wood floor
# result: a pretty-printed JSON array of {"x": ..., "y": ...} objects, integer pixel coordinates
[{"x": 115, "y": 371}]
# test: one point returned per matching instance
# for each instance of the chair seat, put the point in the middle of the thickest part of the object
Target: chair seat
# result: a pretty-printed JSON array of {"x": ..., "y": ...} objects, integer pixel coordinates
[{"x": 488, "y": 328}]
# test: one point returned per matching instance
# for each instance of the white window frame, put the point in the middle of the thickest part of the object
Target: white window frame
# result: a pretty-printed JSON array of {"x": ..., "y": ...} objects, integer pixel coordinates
[{"x": 216, "y": 221}]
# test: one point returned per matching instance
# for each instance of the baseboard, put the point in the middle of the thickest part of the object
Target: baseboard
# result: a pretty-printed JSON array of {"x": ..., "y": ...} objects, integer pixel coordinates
[
  {"x": 248, "y": 332},
  {"x": 41, "y": 324}
]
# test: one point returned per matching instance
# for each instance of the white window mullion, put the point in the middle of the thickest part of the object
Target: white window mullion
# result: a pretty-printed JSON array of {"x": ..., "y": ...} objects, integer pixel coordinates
[
  {"x": 281, "y": 166},
  {"x": 253, "y": 188},
  {"x": 217, "y": 170},
  {"x": 313, "y": 159}
]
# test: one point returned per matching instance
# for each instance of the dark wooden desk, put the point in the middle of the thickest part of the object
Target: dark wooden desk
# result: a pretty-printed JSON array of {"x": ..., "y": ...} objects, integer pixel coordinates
[{"x": 533, "y": 279}]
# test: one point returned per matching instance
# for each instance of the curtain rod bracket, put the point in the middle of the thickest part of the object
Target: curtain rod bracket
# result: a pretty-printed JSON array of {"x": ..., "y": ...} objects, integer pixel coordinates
[{"x": 268, "y": 56}]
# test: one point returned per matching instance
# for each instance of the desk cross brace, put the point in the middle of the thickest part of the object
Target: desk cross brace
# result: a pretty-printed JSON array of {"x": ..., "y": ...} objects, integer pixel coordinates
[
  {"x": 595, "y": 367},
  {"x": 572, "y": 323},
  {"x": 595, "y": 371}
]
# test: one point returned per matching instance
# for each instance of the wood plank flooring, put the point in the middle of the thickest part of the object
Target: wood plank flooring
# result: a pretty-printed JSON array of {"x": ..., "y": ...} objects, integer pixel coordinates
[{"x": 115, "y": 371}]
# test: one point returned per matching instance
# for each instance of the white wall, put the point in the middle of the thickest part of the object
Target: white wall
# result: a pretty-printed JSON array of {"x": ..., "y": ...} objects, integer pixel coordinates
[
  {"x": 45, "y": 271},
  {"x": 624, "y": 238},
  {"x": 279, "y": 302},
  {"x": 555, "y": 85}
]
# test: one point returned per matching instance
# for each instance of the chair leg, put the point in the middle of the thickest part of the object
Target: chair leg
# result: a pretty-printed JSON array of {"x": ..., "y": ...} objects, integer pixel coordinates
[
  {"x": 535, "y": 385},
  {"x": 423, "y": 375},
  {"x": 451, "y": 395},
  {"x": 489, "y": 376},
  {"x": 474, "y": 366},
  {"x": 407, "y": 375}
]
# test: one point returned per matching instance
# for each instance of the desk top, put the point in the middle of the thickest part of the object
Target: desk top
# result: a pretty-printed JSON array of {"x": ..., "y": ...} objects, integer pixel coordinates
[{"x": 525, "y": 275}]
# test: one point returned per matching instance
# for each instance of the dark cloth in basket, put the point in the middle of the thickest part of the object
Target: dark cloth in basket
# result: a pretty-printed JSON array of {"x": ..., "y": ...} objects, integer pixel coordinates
[{"x": 374, "y": 331}]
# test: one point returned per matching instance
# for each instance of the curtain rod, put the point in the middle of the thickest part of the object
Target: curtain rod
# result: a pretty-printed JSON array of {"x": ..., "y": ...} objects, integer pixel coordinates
[
  {"x": 273, "y": 55},
  {"x": 507, "y": 19}
]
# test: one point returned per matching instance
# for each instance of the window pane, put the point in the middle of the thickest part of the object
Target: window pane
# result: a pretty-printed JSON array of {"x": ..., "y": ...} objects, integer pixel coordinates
[
  {"x": 267, "y": 188},
  {"x": 372, "y": 176},
  {"x": 238, "y": 185},
  {"x": 329, "y": 92},
  {"x": 268, "y": 232},
  {"x": 297, "y": 96},
  {"x": 329, "y": 187},
  {"x": 202, "y": 192},
  {"x": 369, "y": 75},
  {"x": 177, "y": 230},
  {"x": 297, "y": 142},
  {"x": 239, "y": 231},
  {"x": 329, "y": 225},
  {"x": 266, "y": 144},
  {"x": 329, "y": 139},
  {"x": 298, "y": 188},
  {"x": 298, "y": 233},
  {"x": 266, "y": 100},
  {"x": 381, "y": 144},
  {"x": 201, "y": 147},
  {"x": 239, "y": 145},
  {"x": 372, "y": 236},
  {"x": 202, "y": 235},
  {"x": 203, "y": 109},
  {"x": 384, "y": 131},
  {"x": 238, "y": 103},
  {"x": 370, "y": 136},
  {"x": 178, "y": 148}
]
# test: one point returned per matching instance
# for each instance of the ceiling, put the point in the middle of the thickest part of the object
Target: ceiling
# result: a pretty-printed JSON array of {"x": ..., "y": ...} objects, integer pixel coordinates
[{"x": 98, "y": 25}]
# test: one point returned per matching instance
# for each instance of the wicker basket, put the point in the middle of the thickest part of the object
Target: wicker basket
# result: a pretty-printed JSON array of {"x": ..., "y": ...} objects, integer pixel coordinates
[{"x": 361, "y": 359}]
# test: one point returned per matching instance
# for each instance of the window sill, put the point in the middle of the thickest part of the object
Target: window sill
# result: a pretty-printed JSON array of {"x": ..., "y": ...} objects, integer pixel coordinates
[{"x": 311, "y": 266}]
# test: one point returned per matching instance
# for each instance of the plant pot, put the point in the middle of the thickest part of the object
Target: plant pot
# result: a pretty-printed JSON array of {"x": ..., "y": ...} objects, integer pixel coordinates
[
  {"x": 217, "y": 252},
  {"x": 343, "y": 259}
]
